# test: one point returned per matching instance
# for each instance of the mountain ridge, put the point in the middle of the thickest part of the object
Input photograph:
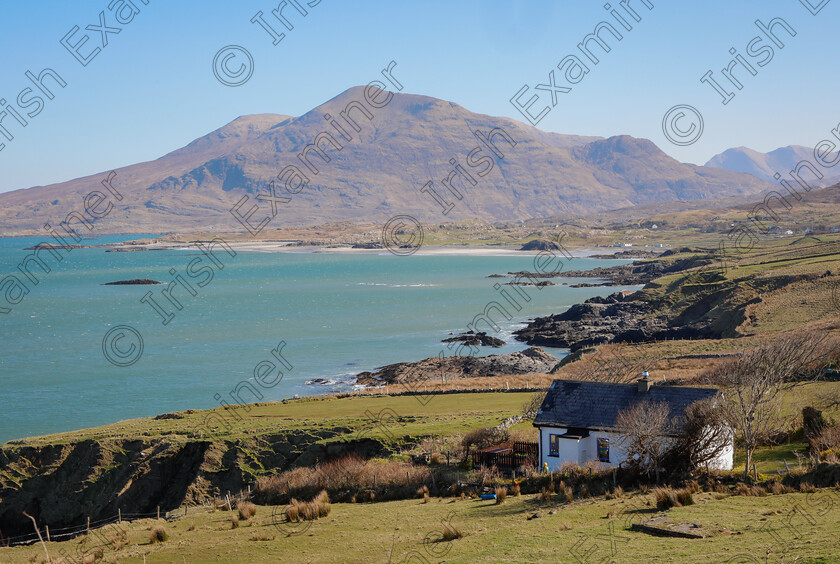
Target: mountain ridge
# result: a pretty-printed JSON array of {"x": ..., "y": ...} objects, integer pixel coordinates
[{"x": 374, "y": 168}]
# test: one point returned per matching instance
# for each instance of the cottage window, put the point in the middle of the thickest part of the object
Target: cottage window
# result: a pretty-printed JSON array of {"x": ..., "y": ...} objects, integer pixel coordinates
[
  {"x": 604, "y": 450},
  {"x": 554, "y": 445}
]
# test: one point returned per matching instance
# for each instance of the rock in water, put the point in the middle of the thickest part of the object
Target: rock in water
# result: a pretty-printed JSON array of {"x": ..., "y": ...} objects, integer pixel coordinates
[
  {"x": 473, "y": 339},
  {"x": 133, "y": 282}
]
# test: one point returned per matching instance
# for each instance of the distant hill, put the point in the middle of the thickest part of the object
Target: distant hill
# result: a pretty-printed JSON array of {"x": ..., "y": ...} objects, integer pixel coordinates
[
  {"x": 379, "y": 173},
  {"x": 765, "y": 165}
]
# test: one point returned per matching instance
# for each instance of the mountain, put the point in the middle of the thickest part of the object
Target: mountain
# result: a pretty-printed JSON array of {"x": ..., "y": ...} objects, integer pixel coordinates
[
  {"x": 765, "y": 165},
  {"x": 378, "y": 172}
]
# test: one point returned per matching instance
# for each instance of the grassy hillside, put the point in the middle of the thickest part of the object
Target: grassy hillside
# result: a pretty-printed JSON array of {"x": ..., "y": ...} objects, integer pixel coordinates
[{"x": 793, "y": 527}]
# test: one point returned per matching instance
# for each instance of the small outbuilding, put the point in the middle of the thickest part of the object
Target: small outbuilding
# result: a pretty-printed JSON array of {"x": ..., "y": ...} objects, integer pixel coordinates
[{"x": 577, "y": 420}]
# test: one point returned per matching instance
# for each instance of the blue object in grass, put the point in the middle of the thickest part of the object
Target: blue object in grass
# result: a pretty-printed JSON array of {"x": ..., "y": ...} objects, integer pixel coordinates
[{"x": 488, "y": 496}]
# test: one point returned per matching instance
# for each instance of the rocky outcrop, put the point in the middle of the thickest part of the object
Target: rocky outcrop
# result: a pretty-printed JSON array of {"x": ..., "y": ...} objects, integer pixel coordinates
[
  {"x": 473, "y": 339},
  {"x": 700, "y": 305},
  {"x": 529, "y": 361},
  {"x": 540, "y": 245}
]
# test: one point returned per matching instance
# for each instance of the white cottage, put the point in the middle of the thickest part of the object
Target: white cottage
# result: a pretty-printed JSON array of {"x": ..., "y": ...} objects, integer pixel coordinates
[{"x": 577, "y": 420}]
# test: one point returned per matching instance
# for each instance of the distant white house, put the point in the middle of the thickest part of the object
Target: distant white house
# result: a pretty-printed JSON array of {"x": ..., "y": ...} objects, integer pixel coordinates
[{"x": 577, "y": 420}]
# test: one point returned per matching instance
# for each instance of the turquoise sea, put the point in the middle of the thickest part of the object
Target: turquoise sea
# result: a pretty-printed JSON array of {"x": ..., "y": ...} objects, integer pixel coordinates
[{"x": 338, "y": 313}]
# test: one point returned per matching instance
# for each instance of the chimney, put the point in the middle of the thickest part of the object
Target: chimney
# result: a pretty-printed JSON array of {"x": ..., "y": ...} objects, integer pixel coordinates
[{"x": 644, "y": 383}]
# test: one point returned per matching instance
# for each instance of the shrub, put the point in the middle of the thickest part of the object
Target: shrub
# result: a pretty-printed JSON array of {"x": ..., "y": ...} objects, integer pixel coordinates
[
  {"x": 159, "y": 534},
  {"x": 246, "y": 509},
  {"x": 451, "y": 532},
  {"x": 501, "y": 493},
  {"x": 666, "y": 498}
]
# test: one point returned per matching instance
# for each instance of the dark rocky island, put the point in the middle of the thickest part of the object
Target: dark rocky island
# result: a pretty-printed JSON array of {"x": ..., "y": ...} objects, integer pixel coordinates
[
  {"x": 480, "y": 339},
  {"x": 133, "y": 282}
]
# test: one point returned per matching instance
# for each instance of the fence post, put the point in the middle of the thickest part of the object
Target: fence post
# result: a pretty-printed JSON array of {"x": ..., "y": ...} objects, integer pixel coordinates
[
  {"x": 755, "y": 473},
  {"x": 48, "y": 532},
  {"x": 374, "y": 481},
  {"x": 88, "y": 525},
  {"x": 407, "y": 481},
  {"x": 119, "y": 515},
  {"x": 158, "y": 512},
  {"x": 185, "y": 509}
]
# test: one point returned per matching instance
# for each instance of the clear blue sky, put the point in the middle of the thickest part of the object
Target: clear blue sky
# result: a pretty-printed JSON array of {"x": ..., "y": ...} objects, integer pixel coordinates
[{"x": 152, "y": 89}]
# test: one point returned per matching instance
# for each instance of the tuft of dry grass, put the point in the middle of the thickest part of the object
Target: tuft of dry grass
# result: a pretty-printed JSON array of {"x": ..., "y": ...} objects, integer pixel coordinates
[
  {"x": 191, "y": 527},
  {"x": 257, "y": 536},
  {"x": 753, "y": 491},
  {"x": 685, "y": 497},
  {"x": 451, "y": 532},
  {"x": 807, "y": 487},
  {"x": 515, "y": 490},
  {"x": 666, "y": 498},
  {"x": 564, "y": 526},
  {"x": 309, "y": 510},
  {"x": 158, "y": 534},
  {"x": 568, "y": 492},
  {"x": 545, "y": 495},
  {"x": 501, "y": 493},
  {"x": 234, "y": 521},
  {"x": 246, "y": 510}
]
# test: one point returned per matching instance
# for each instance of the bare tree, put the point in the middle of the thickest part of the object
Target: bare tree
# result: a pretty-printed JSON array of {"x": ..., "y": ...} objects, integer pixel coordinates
[
  {"x": 620, "y": 364},
  {"x": 753, "y": 381},
  {"x": 533, "y": 404},
  {"x": 705, "y": 432},
  {"x": 644, "y": 429}
]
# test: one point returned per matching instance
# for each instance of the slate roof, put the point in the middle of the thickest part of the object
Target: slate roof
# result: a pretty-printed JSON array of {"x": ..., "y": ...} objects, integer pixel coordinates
[{"x": 595, "y": 405}]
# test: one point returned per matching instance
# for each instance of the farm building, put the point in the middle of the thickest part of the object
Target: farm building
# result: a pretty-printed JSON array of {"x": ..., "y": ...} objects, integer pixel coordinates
[{"x": 577, "y": 420}]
